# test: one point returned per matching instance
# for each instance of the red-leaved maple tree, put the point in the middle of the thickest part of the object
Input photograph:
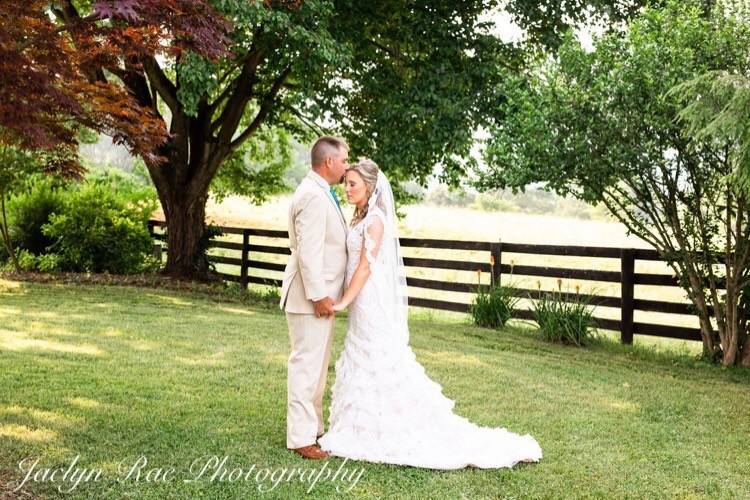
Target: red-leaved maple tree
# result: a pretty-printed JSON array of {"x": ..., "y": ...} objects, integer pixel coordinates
[{"x": 60, "y": 71}]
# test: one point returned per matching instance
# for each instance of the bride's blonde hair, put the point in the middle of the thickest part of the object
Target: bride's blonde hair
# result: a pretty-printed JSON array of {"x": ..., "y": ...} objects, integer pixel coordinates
[{"x": 368, "y": 169}]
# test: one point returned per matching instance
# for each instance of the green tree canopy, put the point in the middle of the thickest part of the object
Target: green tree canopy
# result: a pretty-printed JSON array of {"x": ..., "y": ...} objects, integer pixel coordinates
[
  {"x": 407, "y": 83},
  {"x": 603, "y": 126}
]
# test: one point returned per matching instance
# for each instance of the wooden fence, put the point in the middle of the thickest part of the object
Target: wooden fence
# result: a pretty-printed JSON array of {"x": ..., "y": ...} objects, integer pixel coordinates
[{"x": 251, "y": 258}]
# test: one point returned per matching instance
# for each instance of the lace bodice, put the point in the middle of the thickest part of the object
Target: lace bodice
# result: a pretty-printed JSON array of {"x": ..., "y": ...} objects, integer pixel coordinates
[{"x": 358, "y": 238}]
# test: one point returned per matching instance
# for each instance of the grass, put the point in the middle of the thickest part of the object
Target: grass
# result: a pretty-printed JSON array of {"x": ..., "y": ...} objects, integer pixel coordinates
[{"x": 109, "y": 373}]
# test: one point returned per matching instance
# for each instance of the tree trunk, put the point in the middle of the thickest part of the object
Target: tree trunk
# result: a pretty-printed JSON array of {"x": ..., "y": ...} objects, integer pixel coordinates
[
  {"x": 745, "y": 353},
  {"x": 182, "y": 185},
  {"x": 6, "y": 234},
  {"x": 186, "y": 225}
]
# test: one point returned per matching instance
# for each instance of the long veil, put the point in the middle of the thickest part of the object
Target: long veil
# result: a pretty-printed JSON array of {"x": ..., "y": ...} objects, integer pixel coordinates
[{"x": 393, "y": 261}]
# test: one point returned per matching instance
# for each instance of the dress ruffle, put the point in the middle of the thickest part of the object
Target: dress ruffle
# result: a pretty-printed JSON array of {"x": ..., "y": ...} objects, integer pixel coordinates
[{"x": 386, "y": 409}]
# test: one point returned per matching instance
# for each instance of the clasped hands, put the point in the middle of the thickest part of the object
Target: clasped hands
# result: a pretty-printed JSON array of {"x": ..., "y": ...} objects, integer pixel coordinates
[{"x": 326, "y": 307}]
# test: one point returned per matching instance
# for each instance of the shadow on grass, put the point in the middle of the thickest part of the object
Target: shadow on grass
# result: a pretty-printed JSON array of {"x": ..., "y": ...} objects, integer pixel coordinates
[{"x": 185, "y": 377}]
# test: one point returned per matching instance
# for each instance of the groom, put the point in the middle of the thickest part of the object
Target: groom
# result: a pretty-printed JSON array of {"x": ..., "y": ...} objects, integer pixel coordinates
[{"x": 313, "y": 280}]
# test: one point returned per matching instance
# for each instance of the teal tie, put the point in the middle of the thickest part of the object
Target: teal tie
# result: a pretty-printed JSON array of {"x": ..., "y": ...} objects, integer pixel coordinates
[{"x": 335, "y": 198}]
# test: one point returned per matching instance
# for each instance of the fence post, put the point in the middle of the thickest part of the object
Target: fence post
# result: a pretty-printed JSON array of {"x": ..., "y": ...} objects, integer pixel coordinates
[
  {"x": 150, "y": 226},
  {"x": 245, "y": 259},
  {"x": 627, "y": 282},
  {"x": 496, "y": 251},
  {"x": 156, "y": 252}
]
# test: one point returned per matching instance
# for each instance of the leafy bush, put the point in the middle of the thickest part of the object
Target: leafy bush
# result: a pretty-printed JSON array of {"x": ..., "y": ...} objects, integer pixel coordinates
[
  {"x": 562, "y": 321},
  {"x": 48, "y": 263},
  {"x": 30, "y": 209},
  {"x": 493, "y": 306},
  {"x": 101, "y": 228},
  {"x": 97, "y": 225},
  {"x": 26, "y": 260},
  {"x": 259, "y": 295}
]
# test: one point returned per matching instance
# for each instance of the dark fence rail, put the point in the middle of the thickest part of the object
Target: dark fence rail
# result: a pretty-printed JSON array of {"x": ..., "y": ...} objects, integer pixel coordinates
[{"x": 626, "y": 277}]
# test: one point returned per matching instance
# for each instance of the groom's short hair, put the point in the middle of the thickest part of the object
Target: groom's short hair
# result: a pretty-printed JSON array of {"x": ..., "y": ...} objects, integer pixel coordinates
[{"x": 324, "y": 147}]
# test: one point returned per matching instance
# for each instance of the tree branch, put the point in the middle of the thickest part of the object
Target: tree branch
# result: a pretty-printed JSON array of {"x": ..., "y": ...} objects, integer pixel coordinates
[
  {"x": 232, "y": 114},
  {"x": 385, "y": 49},
  {"x": 163, "y": 85},
  {"x": 65, "y": 27},
  {"x": 307, "y": 122},
  {"x": 70, "y": 17},
  {"x": 265, "y": 109}
]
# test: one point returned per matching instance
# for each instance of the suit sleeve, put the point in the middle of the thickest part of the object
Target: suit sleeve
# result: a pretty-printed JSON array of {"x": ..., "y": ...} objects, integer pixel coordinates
[{"x": 310, "y": 228}]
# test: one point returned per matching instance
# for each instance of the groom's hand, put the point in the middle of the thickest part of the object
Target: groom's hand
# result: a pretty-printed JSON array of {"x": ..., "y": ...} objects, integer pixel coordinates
[{"x": 323, "y": 307}]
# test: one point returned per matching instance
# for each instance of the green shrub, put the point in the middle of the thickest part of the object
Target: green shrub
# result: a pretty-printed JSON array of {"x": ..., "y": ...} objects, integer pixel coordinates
[
  {"x": 30, "y": 209},
  {"x": 563, "y": 321},
  {"x": 263, "y": 295},
  {"x": 48, "y": 263},
  {"x": 493, "y": 306},
  {"x": 102, "y": 228},
  {"x": 26, "y": 260}
]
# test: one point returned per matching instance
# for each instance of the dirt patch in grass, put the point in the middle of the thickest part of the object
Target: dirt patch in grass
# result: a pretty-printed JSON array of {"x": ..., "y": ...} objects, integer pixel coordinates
[{"x": 8, "y": 482}]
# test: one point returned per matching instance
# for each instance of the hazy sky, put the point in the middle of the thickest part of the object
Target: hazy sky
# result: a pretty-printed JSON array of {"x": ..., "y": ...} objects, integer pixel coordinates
[{"x": 508, "y": 31}]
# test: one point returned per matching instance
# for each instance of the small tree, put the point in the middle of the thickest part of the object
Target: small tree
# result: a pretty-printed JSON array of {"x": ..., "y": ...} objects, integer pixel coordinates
[{"x": 603, "y": 127}]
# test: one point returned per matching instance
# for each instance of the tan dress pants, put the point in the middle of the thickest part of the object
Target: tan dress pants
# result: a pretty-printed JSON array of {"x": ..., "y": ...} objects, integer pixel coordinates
[{"x": 310, "y": 338}]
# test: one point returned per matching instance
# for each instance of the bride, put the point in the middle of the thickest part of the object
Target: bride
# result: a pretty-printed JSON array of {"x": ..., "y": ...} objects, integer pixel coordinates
[{"x": 384, "y": 407}]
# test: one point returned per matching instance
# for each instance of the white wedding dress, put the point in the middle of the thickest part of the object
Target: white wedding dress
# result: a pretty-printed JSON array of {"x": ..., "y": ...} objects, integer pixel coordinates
[{"x": 384, "y": 407}]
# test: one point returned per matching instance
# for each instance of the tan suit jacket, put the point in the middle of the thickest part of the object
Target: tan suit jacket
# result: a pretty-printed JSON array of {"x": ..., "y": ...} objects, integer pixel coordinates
[{"x": 317, "y": 238}]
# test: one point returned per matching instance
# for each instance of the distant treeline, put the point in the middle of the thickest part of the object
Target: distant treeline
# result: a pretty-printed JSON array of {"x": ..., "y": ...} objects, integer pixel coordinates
[{"x": 533, "y": 201}]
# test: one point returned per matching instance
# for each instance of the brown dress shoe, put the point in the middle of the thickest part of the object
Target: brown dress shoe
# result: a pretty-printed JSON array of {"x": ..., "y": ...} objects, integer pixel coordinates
[{"x": 312, "y": 451}]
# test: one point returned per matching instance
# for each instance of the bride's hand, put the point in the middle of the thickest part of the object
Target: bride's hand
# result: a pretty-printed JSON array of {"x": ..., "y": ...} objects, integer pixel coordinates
[{"x": 338, "y": 307}]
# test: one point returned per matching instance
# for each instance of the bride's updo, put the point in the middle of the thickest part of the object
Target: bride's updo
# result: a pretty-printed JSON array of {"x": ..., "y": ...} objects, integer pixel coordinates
[{"x": 368, "y": 169}]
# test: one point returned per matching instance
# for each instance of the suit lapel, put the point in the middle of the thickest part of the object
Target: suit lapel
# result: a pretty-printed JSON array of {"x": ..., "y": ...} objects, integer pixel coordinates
[{"x": 324, "y": 185}]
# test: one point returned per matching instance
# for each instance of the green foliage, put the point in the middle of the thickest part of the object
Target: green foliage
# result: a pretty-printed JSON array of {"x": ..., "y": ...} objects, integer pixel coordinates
[
  {"x": 545, "y": 25},
  {"x": 101, "y": 228},
  {"x": 562, "y": 321},
  {"x": 603, "y": 127},
  {"x": 30, "y": 208},
  {"x": 407, "y": 84},
  {"x": 257, "y": 168},
  {"x": 46, "y": 263},
  {"x": 16, "y": 165},
  {"x": 717, "y": 107},
  {"x": 107, "y": 198},
  {"x": 27, "y": 261},
  {"x": 586, "y": 121},
  {"x": 132, "y": 186},
  {"x": 493, "y": 305},
  {"x": 49, "y": 263},
  {"x": 492, "y": 308},
  {"x": 493, "y": 203}
]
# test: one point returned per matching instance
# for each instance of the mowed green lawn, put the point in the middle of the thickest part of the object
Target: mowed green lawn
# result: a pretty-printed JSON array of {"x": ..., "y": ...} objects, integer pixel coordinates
[{"x": 111, "y": 373}]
